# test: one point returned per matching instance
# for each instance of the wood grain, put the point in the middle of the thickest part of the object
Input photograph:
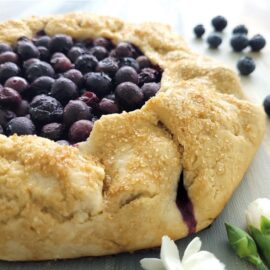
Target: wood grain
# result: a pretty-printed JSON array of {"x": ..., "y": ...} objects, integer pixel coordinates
[{"x": 182, "y": 16}]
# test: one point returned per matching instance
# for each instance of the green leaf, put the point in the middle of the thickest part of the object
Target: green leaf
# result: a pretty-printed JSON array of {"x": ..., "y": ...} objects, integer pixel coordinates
[{"x": 265, "y": 225}]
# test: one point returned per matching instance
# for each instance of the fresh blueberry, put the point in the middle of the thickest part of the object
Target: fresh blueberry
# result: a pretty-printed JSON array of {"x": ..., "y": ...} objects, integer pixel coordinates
[
  {"x": 6, "y": 116},
  {"x": 29, "y": 62},
  {"x": 150, "y": 89},
  {"x": 45, "y": 109},
  {"x": 8, "y": 57},
  {"x": 39, "y": 69},
  {"x": 43, "y": 41},
  {"x": 101, "y": 41},
  {"x": 131, "y": 62},
  {"x": 99, "y": 83},
  {"x": 126, "y": 74},
  {"x": 9, "y": 97},
  {"x": 266, "y": 105},
  {"x": 27, "y": 50},
  {"x": 75, "y": 76},
  {"x": 240, "y": 29},
  {"x": 143, "y": 62},
  {"x": 20, "y": 126},
  {"x": 257, "y": 43},
  {"x": 41, "y": 85},
  {"x": 61, "y": 64},
  {"x": 219, "y": 23},
  {"x": 64, "y": 89},
  {"x": 124, "y": 49},
  {"x": 5, "y": 48},
  {"x": 52, "y": 131},
  {"x": 214, "y": 41},
  {"x": 239, "y": 42},
  {"x": 199, "y": 30},
  {"x": 86, "y": 63},
  {"x": 17, "y": 83},
  {"x": 246, "y": 65},
  {"x": 108, "y": 106},
  {"x": 80, "y": 131},
  {"x": 8, "y": 70},
  {"x": 22, "y": 109},
  {"x": 148, "y": 75},
  {"x": 99, "y": 52},
  {"x": 44, "y": 53},
  {"x": 60, "y": 43},
  {"x": 76, "y": 110},
  {"x": 129, "y": 96},
  {"x": 108, "y": 65},
  {"x": 75, "y": 52},
  {"x": 90, "y": 99}
]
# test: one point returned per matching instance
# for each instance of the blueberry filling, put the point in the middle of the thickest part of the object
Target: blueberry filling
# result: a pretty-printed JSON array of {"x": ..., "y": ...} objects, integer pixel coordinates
[
  {"x": 185, "y": 206},
  {"x": 57, "y": 87}
]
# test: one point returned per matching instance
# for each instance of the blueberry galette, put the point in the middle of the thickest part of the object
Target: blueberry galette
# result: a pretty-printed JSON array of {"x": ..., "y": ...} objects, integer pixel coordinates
[{"x": 113, "y": 135}]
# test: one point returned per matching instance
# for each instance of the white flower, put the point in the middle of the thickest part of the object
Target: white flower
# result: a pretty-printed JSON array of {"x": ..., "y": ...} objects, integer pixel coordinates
[
  {"x": 257, "y": 209},
  {"x": 193, "y": 258}
]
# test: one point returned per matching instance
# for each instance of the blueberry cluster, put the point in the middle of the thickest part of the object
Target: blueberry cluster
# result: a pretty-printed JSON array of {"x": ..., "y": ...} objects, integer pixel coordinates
[
  {"x": 239, "y": 41},
  {"x": 57, "y": 87}
]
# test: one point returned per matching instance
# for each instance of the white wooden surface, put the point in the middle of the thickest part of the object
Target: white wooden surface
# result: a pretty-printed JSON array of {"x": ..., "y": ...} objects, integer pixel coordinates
[{"x": 182, "y": 15}]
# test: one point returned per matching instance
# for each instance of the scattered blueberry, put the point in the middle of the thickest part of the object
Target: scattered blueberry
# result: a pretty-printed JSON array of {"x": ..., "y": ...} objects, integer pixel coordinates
[
  {"x": 6, "y": 116},
  {"x": 44, "y": 53},
  {"x": 266, "y": 105},
  {"x": 108, "y": 65},
  {"x": 90, "y": 99},
  {"x": 100, "y": 41},
  {"x": 199, "y": 30},
  {"x": 8, "y": 57},
  {"x": 43, "y": 41},
  {"x": 5, "y": 48},
  {"x": 143, "y": 62},
  {"x": 80, "y": 131},
  {"x": 148, "y": 75},
  {"x": 246, "y": 65},
  {"x": 9, "y": 97},
  {"x": 124, "y": 49},
  {"x": 29, "y": 62},
  {"x": 52, "y": 131},
  {"x": 41, "y": 85},
  {"x": 214, "y": 41},
  {"x": 239, "y": 42},
  {"x": 61, "y": 63},
  {"x": 108, "y": 106},
  {"x": 75, "y": 76},
  {"x": 17, "y": 83},
  {"x": 86, "y": 63},
  {"x": 257, "y": 43},
  {"x": 219, "y": 23},
  {"x": 60, "y": 43},
  {"x": 8, "y": 70},
  {"x": 75, "y": 52},
  {"x": 20, "y": 126},
  {"x": 22, "y": 109},
  {"x": 130, "y": 62},
  {"x": 99, "y": 52},
  {"x": 240, "y": 29},
  {"x": 126, "y": 74},
  {"x": 27, "y": 50},
  {"x": 39, "y": 69},
  {"x": 150, "y": 89}
]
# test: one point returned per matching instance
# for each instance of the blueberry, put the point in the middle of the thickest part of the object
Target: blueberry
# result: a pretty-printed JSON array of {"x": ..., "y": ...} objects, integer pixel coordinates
[
  {"x": 63, "y": 142},
  {"x": 5, "y": 48},
  {"x": 22, "y": 109},
  {"x": 52, "y": 131},
  {"x": 108, "y": 106},
  {"x": 41, "y": 85},
  {"x": 76, "y": 110},
  {"x": 266, "y": 105},
  {"x": 124, "y": 49},
  {"x": 239, "y": 42},
  {"x": 8, "y": 57},
  {"x": 61, "y": 64},
  {"x": 110, "y": 96},
  {"x": 90, "y": 99},
  {"x": 219, "y": 23},
  {"x": 39, "y": 69},
  {"x": 27, "y": 50},
  {"x": 129, "y": 96},
  {"x": 199, "y": 30},
  {"x": 257, "y": 43},
  {"x": 240, "y": 29},
  {"x": 75, "y": 76},
  {"x": 80, "y": 131},
  {"x": 131, "y": 62},
  {"x": 75, "y": 52},
  {"x": 5, "y": 117},
  {"x": 126, "y": 74},
  {"x": 150, "y": 89},
  {"x": 148, "y": 75},
  {"x": 43, "y": 41},
  {"x": 60, "y": 43},
  {"x": 99, "y": 83},
  {"x": 108, "y": 65},
  {"x": 214, "y": 41},
  {"x": 246, "y": 65},
  {"x": 44, "y": 53},
  {"x": 99, "y": 52},
  {"x": 8, "y": 70},
  {"x": 143, "y": 62},
  {"x": 17, "y": 83},
  {"x": 64, "y": 89},
  {"x": 29, "y": 62},
  {"x": 86, "y": 63},
  {"x": 20, "y": 126},
  {"x": 1, "y": 130},
  {"x": 45, "y": 109},
  {"x": 101, "y": 41},
  {"x": 9, "y": 97}
]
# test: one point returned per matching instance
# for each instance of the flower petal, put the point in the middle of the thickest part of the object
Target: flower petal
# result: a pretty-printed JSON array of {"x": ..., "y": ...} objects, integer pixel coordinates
[
  {"x": 203, "y": 260},
  {"x": 193, "y": 247},
  {"x": 152, "y": 264},
  {"x": 169, "y": 254}
]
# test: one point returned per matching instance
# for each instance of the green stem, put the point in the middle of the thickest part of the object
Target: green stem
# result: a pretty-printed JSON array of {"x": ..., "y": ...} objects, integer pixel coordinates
[{"x": 262, "y": 266}]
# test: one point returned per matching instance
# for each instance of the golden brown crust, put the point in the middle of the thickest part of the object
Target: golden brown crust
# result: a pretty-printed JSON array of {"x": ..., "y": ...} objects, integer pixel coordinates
[{"x": 63, "y": 202}]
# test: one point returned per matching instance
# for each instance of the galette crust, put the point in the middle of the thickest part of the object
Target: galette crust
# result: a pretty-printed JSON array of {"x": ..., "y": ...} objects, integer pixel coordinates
[{"x": 116, "y": 192}]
